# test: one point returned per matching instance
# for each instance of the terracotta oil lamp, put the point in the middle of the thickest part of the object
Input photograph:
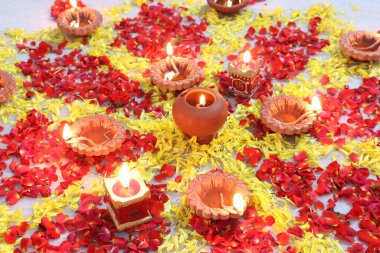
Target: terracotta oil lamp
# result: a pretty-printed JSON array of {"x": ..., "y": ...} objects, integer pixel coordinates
[
  {"x": 218, "y": 195},
  {"x": 200, "y": 112},
  {"x": 227, "y": 6},
  {"x": 361, "y": 45},
  {"x": 79, "y": 21},
  {"x": 289, "y": 115},
  {"x": 245, "y": 78},
  {"x": 7, "y": 86},
  {"x": 127, "y": 199},
  {"x": 175, "y": 73},
  {"x": 94, "y": 135}
]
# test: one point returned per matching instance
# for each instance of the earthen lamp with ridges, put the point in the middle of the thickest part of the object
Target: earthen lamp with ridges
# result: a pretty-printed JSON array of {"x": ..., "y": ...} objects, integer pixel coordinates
[
  {"x": 218, "y": 195},
  {"x": 245, "y": 78},
  {"x": 200, "y": 112},
  {"x": 227, "y": 6},
  {"x": 94, "y": 135},
  {"x": 127, "y": 199},
  {"x": 175, "y": 73},
  {"x": 289, "y": 115},
  {"x": 7, "y": 85},
  {"x": 361, "y": 45},
  {"x": 79, "y": 21}
]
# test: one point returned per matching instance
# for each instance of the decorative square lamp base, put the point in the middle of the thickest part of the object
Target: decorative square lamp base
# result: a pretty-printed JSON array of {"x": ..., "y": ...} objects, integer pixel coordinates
[{"x": 126, "y": 224}]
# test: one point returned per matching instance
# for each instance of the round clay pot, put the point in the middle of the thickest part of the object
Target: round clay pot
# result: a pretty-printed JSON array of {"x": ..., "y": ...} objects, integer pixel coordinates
[
  {"x": 203, "y": 122},
  {"x": 105, "y": 133},
  {"x": 361, "y": 45},
  {"x": 90, "y": 20},
  {"x": 220, "y": 5},
  {"x": 189, "y": 75},
  {"x": 204, "y": 195},
  {"x": 279, "y": 112},
  {"x": 7, "y": 86}
]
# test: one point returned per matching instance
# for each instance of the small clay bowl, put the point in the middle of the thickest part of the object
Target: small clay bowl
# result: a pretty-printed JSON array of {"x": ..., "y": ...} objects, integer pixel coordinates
[
  {"x": 204, "y": 191},
  {"x": 220, "y": 6},
  {"x": 106, "y": 133},
  {"x": 203, "y": 122},
  {"x": 361, "y": 45},
  {"x": 90, "y": 20},
  {"x": 7, "y": 86},
  {"x": 189, "y": 75},
  {"x": 277, "y": 113}
]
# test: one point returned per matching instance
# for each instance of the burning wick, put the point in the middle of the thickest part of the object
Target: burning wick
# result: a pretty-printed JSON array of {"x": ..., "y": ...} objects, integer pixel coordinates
[
  {"x": 202, "y": 101},
  {"x": 238, "y": 204},
  {"x": 170, "y": 59},
  {"x": 229, "y": 3},
  {"x": 246, "y": 59},
  {"x": 68, "y": 136},
  {"x": 125, "y": 176},
  {"x": 314, "y": 108},
  {"x": 169, "y": 76},
  {"x": 75, "y": 23}
]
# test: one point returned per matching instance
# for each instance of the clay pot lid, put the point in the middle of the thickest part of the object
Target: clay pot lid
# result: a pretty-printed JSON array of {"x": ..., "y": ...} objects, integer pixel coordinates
[
  {"x": 107, "y": 134},
  {"x": 87, "y": 14},
  {"x": 361, "y": 45},
  {"x": 203, "y": 194},
  {"x": 227, "y": 10},
  {"x": 7, "y": 85},
  {"x": 190, "y": 74},
  {"x": 278, "y": 112}
]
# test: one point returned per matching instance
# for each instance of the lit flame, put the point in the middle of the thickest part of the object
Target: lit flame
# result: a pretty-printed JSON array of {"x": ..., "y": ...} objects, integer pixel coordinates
[
  {"x": 67, "y": 133},
  {"x": 238, "y": 202},
  {"x": 169, "y": 49},
  {"x": 202, "y": 100},
  {"x": 73, "y": 3},
  {"x": 315, "y": 104},
  {"x": 247, "y": 57},
  {"x": 169, "y": 76},
  {"x": 229, "y": 3},
  {"x": 125, "y": 175}
]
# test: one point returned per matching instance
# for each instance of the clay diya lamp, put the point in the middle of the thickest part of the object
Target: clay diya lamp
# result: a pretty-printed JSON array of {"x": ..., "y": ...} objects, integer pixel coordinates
[
  {"x": 7, "y": 86},
  {"x": 361, "y": 45},
  {"x": 289, "y": 115},
  {"x": 127, "y": 199},
  {"x": 227, "y": 6},
  {"x": 94, "y": 135},
  {"x": 175, "y": 73},
  {"x": 200, "y": 112},
  {"x": 245, "y": 78},
  {"x": 218, "y": 195},
  {"x": 79, "y": 21}
]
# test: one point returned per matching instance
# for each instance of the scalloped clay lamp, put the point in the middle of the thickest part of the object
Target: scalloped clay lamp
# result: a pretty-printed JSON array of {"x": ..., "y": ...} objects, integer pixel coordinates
[
  {"x": 361, "y": 45},
  {"x": 127, "y": 199},
  {"x": 289, "y": 115},
  {"x": 7, "y": 85},
  {"x": 79, "y": 21},
  {"x": 200, "y": 112},
  {"x": 175, "y": 73},
  {"x": 94, "y": 135},
  {"x": 218, "y": 195},
  {"x": 227, "y": 6},
  {"x": 245, "y": 78}
]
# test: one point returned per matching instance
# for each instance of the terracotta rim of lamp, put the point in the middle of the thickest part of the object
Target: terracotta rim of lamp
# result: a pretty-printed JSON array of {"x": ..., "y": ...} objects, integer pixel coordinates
[
  {"x": 226, "y": 183},
  {"x": 7, "y": 85},
  {"x": 273, "y": 110},
  {"x": 116, "y": 134},
  {"x": 192, "y": 75},
  {"x": 227, "y": 10},
  {"x": 353, "y": 43},
  {"x": 64, "y": 20}
]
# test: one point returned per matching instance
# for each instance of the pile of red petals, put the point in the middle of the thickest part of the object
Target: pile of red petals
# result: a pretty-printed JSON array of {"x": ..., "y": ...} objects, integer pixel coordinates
[
  {"x": 351, "y": 112},
  {"x": 147, "y": 34},
  {"x": 92, "y": 229},
  {"x": 31, "y": 146},
  {"x": 343, "y": 183},
  {"x": 248, "y": 234},
  {"x": 257, "y": 128},
  {"x": 285, "y": 49},
  {"x": 252, "y": 156},
  {"x": 78, "y": 76},
  {"x": 60, "y": 6}
]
